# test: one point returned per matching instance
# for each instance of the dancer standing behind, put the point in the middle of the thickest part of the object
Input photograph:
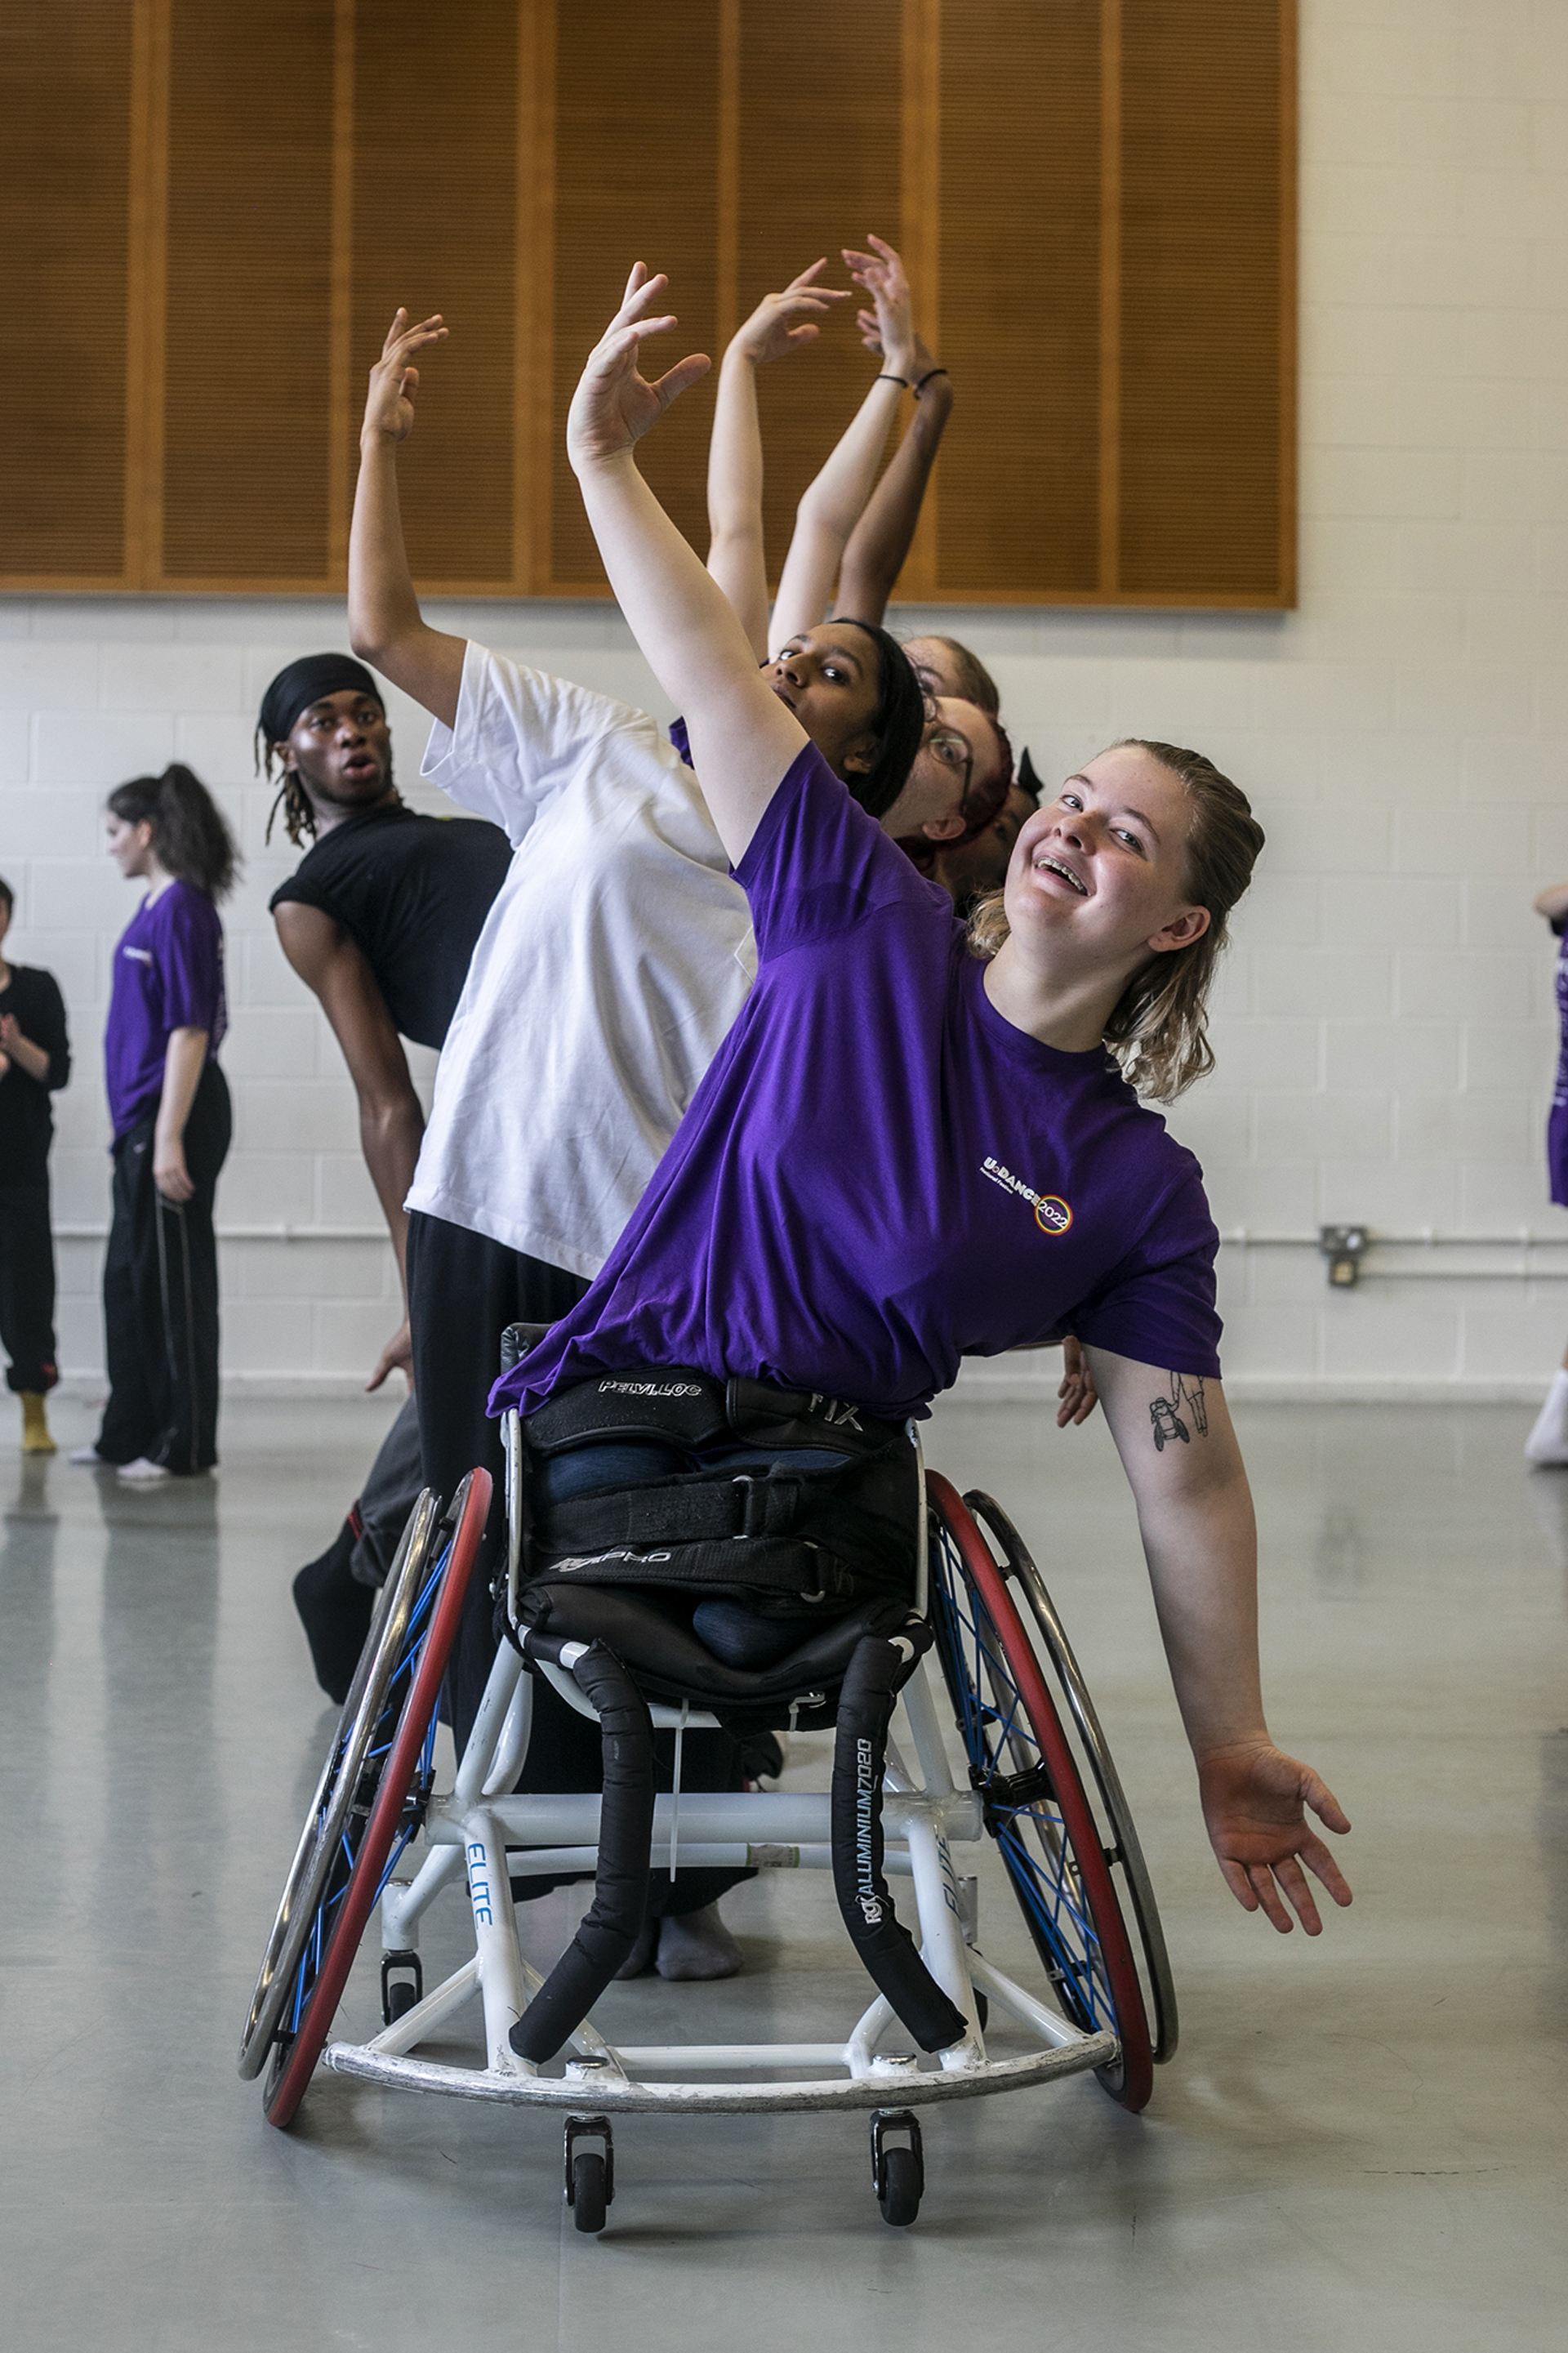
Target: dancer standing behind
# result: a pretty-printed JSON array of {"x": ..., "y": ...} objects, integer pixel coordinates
[
  {"x": 379, "y": 920},
  {"x": 612, "y": 964},
  {"x": 845, "y": 529},
  {"x": 168, "y": 1104},
  {"x": 35, "y": 1063},
  {"x": 1548, "y": 1442}
]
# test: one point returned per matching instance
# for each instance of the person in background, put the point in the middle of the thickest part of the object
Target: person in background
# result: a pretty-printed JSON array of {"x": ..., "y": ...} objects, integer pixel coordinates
[
  {"x": 1548, "y": 1442},
  {"x": 35, "y": 1063},
  {"x": 379, "y": 920},
  {"x": 169, "y": 1105}
]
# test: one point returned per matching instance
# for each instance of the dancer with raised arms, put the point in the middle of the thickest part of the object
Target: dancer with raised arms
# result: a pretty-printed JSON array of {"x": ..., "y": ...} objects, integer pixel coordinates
[{"x": 916, "y": 1144}]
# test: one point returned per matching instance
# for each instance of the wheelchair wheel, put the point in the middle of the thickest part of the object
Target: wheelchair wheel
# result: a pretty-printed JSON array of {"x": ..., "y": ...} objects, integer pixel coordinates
[
  {"x": 1124, "y": 1851},
  {"x": 1037, "y": 1809},
  {"x": 371, "y": 1802}
]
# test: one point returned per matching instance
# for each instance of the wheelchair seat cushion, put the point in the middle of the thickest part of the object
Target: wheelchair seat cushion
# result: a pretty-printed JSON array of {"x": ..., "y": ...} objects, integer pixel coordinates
[{"x": 670, "y": 1664}]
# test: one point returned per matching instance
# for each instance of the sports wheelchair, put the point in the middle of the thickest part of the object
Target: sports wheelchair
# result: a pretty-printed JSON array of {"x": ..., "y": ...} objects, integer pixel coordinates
[{"x": 975, "y": 1628}]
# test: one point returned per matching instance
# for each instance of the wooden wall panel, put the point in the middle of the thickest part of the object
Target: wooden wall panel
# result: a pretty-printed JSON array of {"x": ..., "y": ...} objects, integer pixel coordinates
[
  {"x": 65, "y": 117},
  {"x": 207, "y": 217},
  {"x": 1018, "y": 493},
  {"x": 1202, "y": 315},
  {"x": 820, "y": 165},
  {"x": 247, "y": 352},
  {"x": 636, "y": 180},
  {"x": 435, "y": 227}
]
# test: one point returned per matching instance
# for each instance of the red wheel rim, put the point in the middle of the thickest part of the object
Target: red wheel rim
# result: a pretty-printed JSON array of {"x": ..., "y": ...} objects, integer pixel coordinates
[
  {"x": 364, "y": 1880},
  {"x": 1078, "y": 1818}
]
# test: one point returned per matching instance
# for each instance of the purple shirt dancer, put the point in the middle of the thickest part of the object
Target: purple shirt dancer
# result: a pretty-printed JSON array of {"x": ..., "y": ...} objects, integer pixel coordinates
[
  {"x": 168, "y": 976},
  {"x": 879, "y": 1174}
]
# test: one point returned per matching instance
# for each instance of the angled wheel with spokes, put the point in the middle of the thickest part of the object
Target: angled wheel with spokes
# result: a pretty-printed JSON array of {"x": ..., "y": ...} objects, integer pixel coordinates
[
  {"x": 1061, "y": 1862},
  {"x": 370, "y": 1801}
]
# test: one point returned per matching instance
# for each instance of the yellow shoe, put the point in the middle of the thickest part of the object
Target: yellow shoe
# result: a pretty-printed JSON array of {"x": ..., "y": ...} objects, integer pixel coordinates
[{"x": 35, "y": 1438}]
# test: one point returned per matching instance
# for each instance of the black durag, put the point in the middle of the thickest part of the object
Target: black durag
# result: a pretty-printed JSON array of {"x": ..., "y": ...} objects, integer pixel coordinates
[{"x": 306, "y": 681}]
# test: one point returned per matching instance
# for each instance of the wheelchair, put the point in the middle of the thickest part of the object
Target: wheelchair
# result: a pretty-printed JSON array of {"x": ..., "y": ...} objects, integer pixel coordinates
[{"x": 977, "y": 1645}]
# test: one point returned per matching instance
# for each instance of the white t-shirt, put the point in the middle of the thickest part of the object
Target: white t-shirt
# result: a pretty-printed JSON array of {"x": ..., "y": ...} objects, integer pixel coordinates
[{"x": 609, "y": 970}]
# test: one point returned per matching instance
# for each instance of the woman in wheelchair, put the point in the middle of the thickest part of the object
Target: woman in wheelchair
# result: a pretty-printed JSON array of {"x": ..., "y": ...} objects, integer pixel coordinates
[{"x": 916, "y": 1144}]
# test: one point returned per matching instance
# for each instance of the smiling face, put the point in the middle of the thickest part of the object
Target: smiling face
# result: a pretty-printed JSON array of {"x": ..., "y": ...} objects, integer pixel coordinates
[
  {"x": 1102, "y": 872},
  {"x": 340, "y": 750},
  {"x": 827, "y": 677},
  {"x": 956, "y": 772}
]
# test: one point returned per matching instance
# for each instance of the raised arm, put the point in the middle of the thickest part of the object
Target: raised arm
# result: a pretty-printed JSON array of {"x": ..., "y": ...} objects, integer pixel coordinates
[
  {"x": 742, "y": 737},
  {"x": 835, "y": 502},
  {"x": 391, "y": 1122},
  {"x": 737, "y": 558},
  {"x": 385, "y": 624},
  {"x": 1194, "y": 1512},
  {"x": 882, "y": 538}
]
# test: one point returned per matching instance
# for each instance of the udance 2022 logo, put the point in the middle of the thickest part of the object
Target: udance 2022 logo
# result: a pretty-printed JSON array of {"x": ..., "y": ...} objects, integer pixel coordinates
[{"x": 1052, "y": 1214}]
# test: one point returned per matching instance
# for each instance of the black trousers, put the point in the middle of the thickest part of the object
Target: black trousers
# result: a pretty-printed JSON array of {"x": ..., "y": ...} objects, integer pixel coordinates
[
  {"x": 160, "y": 1296},
  {"x": 28, "y": 1287},
  {"x": 463, "y": 1292}
]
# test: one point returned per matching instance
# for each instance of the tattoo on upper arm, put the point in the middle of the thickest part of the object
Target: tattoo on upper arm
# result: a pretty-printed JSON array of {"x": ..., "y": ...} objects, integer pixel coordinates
[{"x": 1165, "y": 1413}]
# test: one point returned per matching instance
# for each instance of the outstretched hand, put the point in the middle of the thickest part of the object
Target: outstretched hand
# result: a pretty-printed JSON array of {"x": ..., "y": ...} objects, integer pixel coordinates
[
  {"x": 882, "y": 276},
  {"x": 1254, "y": 1800},
  {"x": 614, "y": 406},
  {"x": 389, "y": 405},
  {"x": 784, "y": 322}
]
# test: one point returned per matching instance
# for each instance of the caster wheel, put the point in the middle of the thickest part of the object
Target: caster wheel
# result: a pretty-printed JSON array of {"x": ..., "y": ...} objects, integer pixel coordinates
[
  {"x": 402, "y": 1985},
  {"x": 588, "y": 2203},
  {"x": 897, "y": 2169},
  {"x": 590, "y": 2172},
  {"x": 901, "y": 2186}
]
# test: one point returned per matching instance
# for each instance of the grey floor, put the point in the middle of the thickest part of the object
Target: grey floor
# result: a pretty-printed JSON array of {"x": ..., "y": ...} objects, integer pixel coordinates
[{"x": 1360, "y": 2145}]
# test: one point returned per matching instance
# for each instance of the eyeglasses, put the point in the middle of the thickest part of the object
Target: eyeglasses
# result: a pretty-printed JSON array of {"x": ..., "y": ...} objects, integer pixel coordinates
[{"x": 952, "y": 751}]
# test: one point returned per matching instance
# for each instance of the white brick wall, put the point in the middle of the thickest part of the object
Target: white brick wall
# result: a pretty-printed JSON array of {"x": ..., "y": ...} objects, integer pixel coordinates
[{"x": 1386, "y": 1040}]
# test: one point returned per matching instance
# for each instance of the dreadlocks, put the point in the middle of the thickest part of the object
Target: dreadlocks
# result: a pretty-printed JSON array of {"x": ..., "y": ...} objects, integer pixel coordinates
[{"x": 299, "y": 816}]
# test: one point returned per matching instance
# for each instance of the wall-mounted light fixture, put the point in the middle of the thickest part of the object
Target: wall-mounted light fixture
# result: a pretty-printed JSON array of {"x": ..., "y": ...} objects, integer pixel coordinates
[{"x": 1342, "y": 1246}]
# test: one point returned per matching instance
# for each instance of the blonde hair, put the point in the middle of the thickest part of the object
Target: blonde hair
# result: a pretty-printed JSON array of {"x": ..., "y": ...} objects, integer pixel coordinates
[{"x": 1158, "y": 1029}]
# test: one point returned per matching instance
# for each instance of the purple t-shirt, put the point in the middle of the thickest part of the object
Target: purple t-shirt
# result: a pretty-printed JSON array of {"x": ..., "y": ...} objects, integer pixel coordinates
[
  {"x": 168, "y": 975},
  {"x": 879, "y": 1174}
]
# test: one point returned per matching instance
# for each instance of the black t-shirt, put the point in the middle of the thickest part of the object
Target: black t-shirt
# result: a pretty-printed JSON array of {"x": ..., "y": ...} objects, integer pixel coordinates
[
  {"x": 26, "y": 1122},
  {"x": 411, "y": 892}
]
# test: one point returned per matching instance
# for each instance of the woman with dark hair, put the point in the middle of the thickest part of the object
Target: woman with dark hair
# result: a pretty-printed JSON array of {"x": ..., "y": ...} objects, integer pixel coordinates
[
  {"x": 955, "y": 782},
  {"x": 170, "y": 1108},
  {"x": 958, "y": 1166}
]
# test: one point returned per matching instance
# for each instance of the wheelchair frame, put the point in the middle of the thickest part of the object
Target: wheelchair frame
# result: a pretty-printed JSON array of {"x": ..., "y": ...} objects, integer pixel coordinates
[{"x": 476, "y": 1832}]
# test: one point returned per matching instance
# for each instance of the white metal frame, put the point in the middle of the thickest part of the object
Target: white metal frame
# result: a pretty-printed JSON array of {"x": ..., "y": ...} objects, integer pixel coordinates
[{"x": 478, "y": 1828}]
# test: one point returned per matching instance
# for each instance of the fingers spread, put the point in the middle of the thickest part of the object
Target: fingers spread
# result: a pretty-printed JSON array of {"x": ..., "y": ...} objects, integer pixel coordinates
[
  {"x": 1241, "y": 1886},
  {"x": 681, "y": 376},
  {"x": 1321, "y": 1864},
  {"x": 1324, "y": 1804},
  {"x": 1262, "y": 1883}
]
